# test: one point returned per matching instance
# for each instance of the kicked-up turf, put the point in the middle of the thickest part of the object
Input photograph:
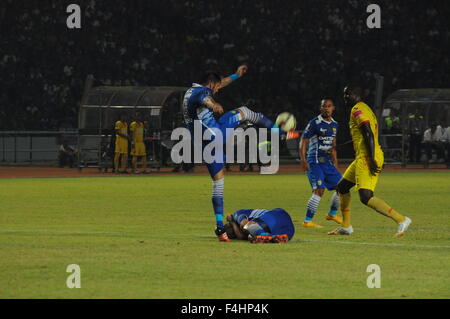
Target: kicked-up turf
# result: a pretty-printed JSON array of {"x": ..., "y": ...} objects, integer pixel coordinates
[{"x": 153, "y": 237}]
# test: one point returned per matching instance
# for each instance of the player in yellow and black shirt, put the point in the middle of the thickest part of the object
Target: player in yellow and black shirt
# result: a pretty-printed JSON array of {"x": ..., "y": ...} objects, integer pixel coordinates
[
  {"x": 365, "y": 169},
  {"x": 121, "y": 149},
  {"x": 137, "y": 143}
]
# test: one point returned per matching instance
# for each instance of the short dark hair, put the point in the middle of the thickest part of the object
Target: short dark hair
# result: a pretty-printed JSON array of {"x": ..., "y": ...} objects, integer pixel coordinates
[
  {"x": 229, "y": 230},
  {"x": 210, "y": 77},
  {"x": 326, "y": 98},
  {"x": 355, "y": 90}
]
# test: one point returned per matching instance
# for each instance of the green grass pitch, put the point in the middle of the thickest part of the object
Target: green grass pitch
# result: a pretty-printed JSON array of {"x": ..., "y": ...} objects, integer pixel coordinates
[{"x": 152, "y": 237}]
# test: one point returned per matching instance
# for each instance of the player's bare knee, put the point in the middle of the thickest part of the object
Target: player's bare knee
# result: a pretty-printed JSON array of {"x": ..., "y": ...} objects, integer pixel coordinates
[
  {"x": 344, "y": 186},
  {"x": 319, "y": 191},
  {"x": 242, "y": 110},
  {"x": 220, "y": 175},
  {"x": 365, "y": 195}
]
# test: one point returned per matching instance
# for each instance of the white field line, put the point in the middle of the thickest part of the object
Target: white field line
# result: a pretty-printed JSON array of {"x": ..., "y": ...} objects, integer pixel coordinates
[
  {"x": 147, "y": 235},
  {"x": 81, "y": 232},
  {"x": 434, "y": 230},
  {"x": 371, "y": 244}
]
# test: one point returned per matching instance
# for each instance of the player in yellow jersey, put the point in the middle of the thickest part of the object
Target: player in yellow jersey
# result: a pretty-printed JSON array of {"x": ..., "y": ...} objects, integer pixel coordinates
[
  {"x": 121, "y": 149},
  {"x": 137, "y": 143},
  {"x": 365, "y": 169}
]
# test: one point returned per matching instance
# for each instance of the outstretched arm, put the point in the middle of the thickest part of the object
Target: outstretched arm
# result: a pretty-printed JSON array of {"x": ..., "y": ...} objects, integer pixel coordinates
[
  {"x": 369, "y": 140},
  {"x": 241, "y": 70}
]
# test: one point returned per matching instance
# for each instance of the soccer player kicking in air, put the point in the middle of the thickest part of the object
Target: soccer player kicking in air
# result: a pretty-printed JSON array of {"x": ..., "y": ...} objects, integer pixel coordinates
[
  {"x": 318, "y": 155},
  {"x": 198, "y": 104},
  {"x": 365, "y": 169}
]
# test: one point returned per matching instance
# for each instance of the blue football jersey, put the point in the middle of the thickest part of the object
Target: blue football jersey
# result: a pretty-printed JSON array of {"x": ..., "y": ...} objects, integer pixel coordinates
[
  {"x": 249, "y": 214},
  {"x": 320, "y": 134},
  {"x": 194, "y": 107}
]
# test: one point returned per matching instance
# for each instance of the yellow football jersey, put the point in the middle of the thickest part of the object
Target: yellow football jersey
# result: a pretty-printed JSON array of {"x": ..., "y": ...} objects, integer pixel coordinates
[
  {"x": 138, "y": 129},
  {"x": 123, "y": 128},
  {"x": 361, "y": 113}
]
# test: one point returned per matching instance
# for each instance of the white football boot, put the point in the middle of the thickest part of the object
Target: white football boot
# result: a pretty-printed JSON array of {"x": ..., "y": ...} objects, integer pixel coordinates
[
  {"x": 342, "y": 231},
  {"x": 403, "y": 226}
]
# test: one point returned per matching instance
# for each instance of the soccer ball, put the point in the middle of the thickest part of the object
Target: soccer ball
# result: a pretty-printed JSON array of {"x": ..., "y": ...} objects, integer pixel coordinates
[{"x": 286, "y": 121}]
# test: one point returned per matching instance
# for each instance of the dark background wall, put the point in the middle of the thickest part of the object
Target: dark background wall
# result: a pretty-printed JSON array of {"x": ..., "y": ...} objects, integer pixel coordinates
[{"x": 297, "y": 51}]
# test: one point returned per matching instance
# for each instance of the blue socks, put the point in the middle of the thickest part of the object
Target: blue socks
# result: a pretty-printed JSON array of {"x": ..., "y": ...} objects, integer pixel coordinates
[
  {"x": 313, "y": 204},
  {"x": 277, "y": 129},
  {"x": 258, "y": 119},
  {"x": 264, "y": 121},
  {"x": 334, "y": 207},
  {"x": 217, "y": 201}
]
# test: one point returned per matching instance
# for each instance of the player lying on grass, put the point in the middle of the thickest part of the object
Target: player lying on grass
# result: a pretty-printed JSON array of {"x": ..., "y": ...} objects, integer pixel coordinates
[
  {"x": 199, "y": 105},
  {"x": 319, "y": 158},
  {"x": 260, "y": 225},
  {"x": 365, "y": 169}
]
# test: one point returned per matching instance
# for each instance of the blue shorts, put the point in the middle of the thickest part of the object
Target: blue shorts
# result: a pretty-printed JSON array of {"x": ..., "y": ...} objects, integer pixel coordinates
[
  {"x": 323, "y": 175},
  {"x": 279, "y": 222},
  {"x": 229, "y": 120}
]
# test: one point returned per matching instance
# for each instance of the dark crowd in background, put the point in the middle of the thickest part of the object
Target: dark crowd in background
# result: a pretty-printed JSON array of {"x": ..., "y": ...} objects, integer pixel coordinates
[{"x": 297, "y": 52}]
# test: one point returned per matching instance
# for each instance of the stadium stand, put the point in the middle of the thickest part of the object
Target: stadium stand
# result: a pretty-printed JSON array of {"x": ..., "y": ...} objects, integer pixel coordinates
[{"x": 297, "y": 53}]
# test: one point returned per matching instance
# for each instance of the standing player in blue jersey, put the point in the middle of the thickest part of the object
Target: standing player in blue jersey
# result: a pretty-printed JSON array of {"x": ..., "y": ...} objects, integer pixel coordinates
[
  {"x": 260, "y": 225},
  {"x": 318, "y": 155},
  {"x": 199, "y": 104}
]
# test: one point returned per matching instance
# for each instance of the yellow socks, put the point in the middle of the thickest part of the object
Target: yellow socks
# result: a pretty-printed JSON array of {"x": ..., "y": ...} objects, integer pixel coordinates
[
  {"x": 375, "y": 203},
  {"x": 380, "y": 206},
  {"x": 344, "y": 205}
]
